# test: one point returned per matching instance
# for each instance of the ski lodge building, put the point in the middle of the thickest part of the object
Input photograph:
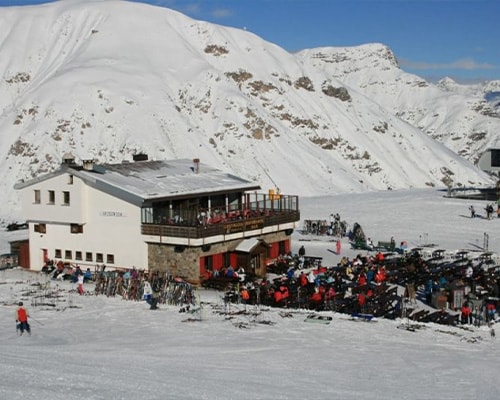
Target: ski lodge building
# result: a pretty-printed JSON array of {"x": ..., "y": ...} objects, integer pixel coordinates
[{"x": 181, "y": 217}]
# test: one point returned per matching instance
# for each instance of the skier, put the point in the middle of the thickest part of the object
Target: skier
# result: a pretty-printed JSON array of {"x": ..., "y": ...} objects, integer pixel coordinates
[
  {"x": 472, "y": 211},
  {"x": 147, "y": 293},
  {"x": 22, "y": 319},
  {"x": 80, "y": 284},
  {"x": 155, "y": 298},
  {"x": 492, "y": 329},
  {"x": 489, "y": 211}
]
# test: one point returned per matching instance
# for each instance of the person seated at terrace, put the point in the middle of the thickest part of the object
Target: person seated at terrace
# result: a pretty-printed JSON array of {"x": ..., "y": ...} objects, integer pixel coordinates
[
  {"x": 428, "y": 290},
  {"x": 330, "y": 294},
  {"x": 466, "y": 314},
  {"x": 76, "y": 273},
  {"x": 443, "y": 282},
  {"x": 303, "y": 279},
  {"x": 87, "y": 276},
  {"x": 279, "y": 295},
  {"x": 358, "y": 261},
  {"x": 370, "y": 275},
  {"x": 316, "y": 298},
  {"x": 230, "y": 271},
  {"x": 59, "y": 268},
  {"x": 362, "y": 279},
  {"x": 361, "y": 301},
  {"x": 349, "y": 272},
  {"x": 380, "y": 277}
]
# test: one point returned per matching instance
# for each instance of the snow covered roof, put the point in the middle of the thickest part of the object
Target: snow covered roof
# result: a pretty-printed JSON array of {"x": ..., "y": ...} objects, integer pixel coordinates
[{"x": 155, "y": 180}]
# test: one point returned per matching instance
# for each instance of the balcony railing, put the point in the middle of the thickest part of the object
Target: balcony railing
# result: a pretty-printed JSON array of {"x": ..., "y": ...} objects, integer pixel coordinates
[
  {"x": 222, "y": 228},
  {"x": 203, "y": 223}
]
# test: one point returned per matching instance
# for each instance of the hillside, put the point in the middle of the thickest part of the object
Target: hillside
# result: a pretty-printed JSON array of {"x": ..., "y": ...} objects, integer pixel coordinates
[
  {"x": 466, "y": 118},
  {"x": 106, "y": 80}
]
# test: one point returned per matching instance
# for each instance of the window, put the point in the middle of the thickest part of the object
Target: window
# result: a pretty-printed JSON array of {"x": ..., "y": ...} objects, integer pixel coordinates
[
  {"x": 70, "y": 179},
  {"x": 76, "y": 228},
  {"x": 282, "y": 247},
  {"x": 495, "y": 158},
  {"x": 57, "y": 253},
  {"x": 208, "y": 261},
  {"x": 37, "y": 196},
  {"x": 40, "y": 228},
  {"x": 78, "y": 255},
  {"x": 68, "y": 254},
  {"x": 110, "y": 258},
  {"x": 88, "y": 256},
  {"x": 227, "y": 259},
  {"x": 52, "y": 197},
  {"x": 66, "y": 198},
  {"x": 99, "y": 257}
]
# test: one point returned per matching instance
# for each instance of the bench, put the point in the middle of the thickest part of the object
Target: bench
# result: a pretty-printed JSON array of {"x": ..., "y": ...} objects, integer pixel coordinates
[
  {"x": 386, "y": 246},
  {"x": 361, "y": 245},
  {"x": 390, "y": 246}
]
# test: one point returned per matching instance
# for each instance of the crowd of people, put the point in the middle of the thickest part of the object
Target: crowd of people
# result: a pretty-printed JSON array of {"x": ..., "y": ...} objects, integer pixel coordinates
[{"x": 367, "y": 283}]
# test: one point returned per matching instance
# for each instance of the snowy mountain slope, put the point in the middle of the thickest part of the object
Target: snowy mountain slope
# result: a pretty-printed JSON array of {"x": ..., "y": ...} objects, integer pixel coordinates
[
  {"x": 487, "y": 91},
  {"x": 108, "y": 79},
  {"x": 465, "y": 118}
]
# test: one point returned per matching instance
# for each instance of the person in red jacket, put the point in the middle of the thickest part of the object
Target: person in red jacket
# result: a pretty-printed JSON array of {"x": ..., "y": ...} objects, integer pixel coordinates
[
  {"x": 466, "y": 314},
  {"x": 303, "y": 279},
  {"x": 22, "y": 319},
  {"x": 361, "y": 302}
]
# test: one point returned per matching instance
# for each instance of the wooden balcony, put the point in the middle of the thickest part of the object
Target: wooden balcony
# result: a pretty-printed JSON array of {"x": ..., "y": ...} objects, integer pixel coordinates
[{"x": 224, "y": 227}]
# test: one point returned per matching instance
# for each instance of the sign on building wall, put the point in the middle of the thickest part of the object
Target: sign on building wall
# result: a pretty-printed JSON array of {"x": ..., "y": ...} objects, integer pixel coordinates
[
  {"x": 240, "y": 226},
  {"x": 112, "y": 214}
]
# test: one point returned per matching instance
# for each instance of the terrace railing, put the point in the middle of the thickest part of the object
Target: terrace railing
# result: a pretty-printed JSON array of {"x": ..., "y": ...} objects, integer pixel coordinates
[{"x": 204, "y": 223}]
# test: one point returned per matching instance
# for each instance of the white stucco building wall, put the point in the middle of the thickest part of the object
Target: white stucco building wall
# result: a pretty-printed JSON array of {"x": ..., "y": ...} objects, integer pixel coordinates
[{"x": 110, "y": 226}]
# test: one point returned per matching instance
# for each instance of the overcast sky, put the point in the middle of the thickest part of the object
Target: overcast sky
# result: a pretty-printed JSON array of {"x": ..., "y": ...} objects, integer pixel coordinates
[{"x": 432, "y": 38}]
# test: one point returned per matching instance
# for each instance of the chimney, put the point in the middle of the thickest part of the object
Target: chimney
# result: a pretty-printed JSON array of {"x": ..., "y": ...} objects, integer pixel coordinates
[
  {"x": 196, "y": 162},
  {"x": 88, "y": 165},
  {"x": 68, "y": 159}
]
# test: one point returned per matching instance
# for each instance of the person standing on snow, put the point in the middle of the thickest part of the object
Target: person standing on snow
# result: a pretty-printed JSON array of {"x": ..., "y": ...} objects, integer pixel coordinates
[
  {"x": 80, "y": 280},
  {"x": 22, "y": 319},
  {"x": 155, "y": 297},
  {"x": 472, "y": 212},
  {"x": 302, "y": 251}
]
